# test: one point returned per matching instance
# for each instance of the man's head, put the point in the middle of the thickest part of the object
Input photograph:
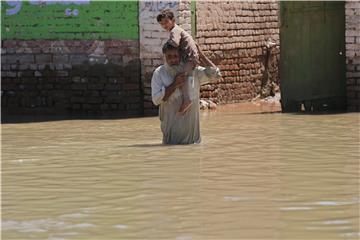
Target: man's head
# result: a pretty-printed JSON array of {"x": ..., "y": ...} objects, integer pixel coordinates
[
  {"x": 166, "y": 19},
  {"x": 172, "y": 54}
]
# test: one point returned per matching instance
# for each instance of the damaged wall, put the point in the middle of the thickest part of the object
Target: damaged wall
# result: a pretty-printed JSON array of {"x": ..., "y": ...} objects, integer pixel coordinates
[
  {"x": 242, "y": 38},
  {"x": 99, "y": 58},
  {"x": 88, "y": 64}
]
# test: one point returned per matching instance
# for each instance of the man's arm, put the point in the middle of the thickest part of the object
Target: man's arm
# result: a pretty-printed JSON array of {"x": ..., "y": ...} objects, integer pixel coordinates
[
  {"x": 210, "y": 73},
  {"x": 161, "y": 93},
  {"x": 178, "y": 82}
]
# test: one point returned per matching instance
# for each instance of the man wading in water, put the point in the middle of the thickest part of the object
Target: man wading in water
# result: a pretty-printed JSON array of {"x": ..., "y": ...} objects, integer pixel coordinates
[{"x": 166, "y": 82}]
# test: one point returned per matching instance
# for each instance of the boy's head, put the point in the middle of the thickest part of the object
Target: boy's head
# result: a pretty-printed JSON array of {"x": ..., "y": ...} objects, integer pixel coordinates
[{"x": 166, "y": 19}]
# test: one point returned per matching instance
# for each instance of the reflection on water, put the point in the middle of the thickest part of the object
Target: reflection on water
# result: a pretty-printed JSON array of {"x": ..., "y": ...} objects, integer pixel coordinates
[{"x": 254, "y": 176}]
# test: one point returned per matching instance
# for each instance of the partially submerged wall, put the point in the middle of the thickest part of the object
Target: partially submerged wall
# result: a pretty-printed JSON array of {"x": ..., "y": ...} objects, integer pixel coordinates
[
  {"x": 93, "y": 57},
  {"x": 73, "y": 57},
  {"x": 88, "y": 57}
]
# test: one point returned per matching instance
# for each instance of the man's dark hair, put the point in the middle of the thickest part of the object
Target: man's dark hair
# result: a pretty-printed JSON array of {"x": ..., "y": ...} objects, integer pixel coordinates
[
  {"x": 165, "y": 14},
  {"x": 167, "y": 46}
]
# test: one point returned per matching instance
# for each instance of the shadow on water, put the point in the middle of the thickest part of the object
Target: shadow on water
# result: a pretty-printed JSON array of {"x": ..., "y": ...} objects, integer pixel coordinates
[
  {"x": 149, "y": 145},
  {"x": 302, "y": 113},
  {"x": 145, "y": 145},
  {"x": 37, "y": 119},
  {"x": 228, "y": 109},
  {"x": 320, "y": 113}
]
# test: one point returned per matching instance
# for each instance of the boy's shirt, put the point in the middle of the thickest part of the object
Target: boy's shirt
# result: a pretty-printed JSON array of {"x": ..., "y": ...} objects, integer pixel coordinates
[{"x": 180, "y": 38}]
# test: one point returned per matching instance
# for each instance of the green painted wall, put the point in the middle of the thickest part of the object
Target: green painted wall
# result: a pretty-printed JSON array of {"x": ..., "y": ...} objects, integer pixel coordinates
[{"x": 70, "y": 20}]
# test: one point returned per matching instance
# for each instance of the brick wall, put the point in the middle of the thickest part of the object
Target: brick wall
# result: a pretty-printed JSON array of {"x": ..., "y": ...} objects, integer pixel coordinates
[
  {"x": 114, "y": 76},
  {"x": 70, "y": 77},
  {"x": 62, "y": 64},
  {"x": 352, "y": 34},
  {"x": 233, "y": 34},
  {"x": 184, "y": 15}
]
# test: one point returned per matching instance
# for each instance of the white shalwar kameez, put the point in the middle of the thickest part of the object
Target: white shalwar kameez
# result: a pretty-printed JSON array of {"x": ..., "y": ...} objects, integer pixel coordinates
[{"x": 177, "y": 128}]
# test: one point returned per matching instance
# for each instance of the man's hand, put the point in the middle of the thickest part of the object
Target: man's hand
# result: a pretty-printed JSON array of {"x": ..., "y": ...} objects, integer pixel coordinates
[{"x": 180, "y": 80}]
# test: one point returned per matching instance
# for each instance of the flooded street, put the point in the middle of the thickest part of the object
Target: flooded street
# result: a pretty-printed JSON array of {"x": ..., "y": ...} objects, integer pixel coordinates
[{"x": 254, "y": 176}]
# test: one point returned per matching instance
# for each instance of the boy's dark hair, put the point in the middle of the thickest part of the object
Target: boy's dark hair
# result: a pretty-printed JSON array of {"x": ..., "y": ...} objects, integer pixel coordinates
[
  {"x": 167, "y": 46},
  {"x": 165, "y": 14}
]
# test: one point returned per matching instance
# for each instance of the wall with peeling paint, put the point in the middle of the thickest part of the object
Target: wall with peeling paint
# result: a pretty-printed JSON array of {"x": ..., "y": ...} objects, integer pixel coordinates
[
  {"x": 70, "y": 20},
  {"x": 97, "y": 57},
  {"x": 70, "y": 57}
]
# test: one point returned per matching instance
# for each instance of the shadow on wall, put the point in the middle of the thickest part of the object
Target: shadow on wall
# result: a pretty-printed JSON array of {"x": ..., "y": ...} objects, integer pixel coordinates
[
  {"x": 13, "y": 119},
  {"x": 85, "y": 89}
]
